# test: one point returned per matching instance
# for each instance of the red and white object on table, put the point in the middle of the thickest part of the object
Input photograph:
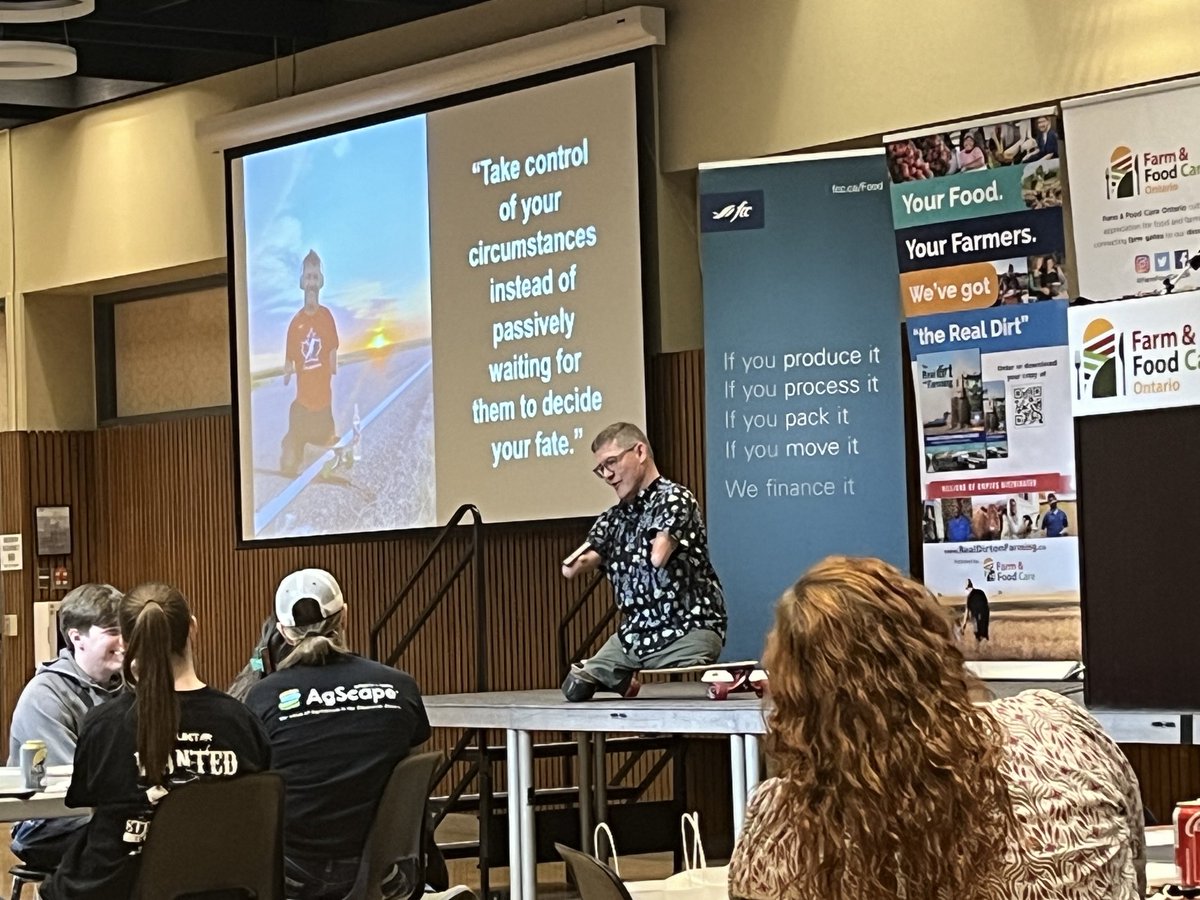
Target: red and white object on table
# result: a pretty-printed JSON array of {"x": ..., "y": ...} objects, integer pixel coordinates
[{"x": 1186, "y": 820}]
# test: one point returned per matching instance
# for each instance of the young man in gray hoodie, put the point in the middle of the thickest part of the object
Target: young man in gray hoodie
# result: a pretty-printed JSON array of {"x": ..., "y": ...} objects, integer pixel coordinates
[{"x": 53, "y": 704}]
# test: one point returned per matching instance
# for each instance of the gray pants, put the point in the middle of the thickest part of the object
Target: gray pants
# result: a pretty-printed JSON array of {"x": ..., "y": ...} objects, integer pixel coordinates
[{"x": 611, "y": 665}]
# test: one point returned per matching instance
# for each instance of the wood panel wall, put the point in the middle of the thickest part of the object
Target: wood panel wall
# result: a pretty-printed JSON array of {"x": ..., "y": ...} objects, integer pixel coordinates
[
  {"x": 155, "y": 502},
  {"x": 1167, "y": 775},
  {"x": 16, "y": 517},
  {"x": 42, "y": 469}
]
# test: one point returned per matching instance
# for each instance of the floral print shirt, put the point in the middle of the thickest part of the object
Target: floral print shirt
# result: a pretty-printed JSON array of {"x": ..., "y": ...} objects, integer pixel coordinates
[{"x": 659, "y": 604}]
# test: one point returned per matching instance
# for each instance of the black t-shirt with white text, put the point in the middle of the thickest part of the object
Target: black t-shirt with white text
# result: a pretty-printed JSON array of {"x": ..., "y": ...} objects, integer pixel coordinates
[
  {"x": 217, "y": 738},
  {"x": 337, "y": 730}
]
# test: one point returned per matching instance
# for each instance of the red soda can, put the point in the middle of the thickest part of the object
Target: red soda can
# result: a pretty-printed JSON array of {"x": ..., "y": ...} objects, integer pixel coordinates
[{"x": 1186, "y": 820}]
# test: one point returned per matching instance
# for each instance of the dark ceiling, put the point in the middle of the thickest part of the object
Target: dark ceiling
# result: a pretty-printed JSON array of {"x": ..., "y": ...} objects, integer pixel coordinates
[{"x": 126, "y": 47}]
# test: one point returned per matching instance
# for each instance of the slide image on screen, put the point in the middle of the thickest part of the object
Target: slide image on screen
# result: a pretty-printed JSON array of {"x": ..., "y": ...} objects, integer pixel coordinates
[
  {"x": 341, "y": 394},
  {"x": 440, "y": 309}
]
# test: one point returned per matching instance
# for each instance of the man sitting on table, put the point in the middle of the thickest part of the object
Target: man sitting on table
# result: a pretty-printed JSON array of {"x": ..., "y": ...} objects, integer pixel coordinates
[
  {"x": 653, "y": 547},
  {"x": 53, "y": 704}
]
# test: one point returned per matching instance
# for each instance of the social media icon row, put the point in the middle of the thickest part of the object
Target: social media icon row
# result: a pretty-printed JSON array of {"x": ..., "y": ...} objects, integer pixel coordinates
[{"x": 1164, "y": 261}]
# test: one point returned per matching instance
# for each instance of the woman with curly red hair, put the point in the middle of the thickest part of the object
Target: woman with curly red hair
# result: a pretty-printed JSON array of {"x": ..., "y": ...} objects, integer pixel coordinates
[{"x": 892, "y": 783}]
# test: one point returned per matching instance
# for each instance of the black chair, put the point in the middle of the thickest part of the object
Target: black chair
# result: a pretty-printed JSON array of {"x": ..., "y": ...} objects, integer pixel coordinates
[
  {"x": 593, "y": 879},
  {"x": 222, "y": 835},
  {"x": 397, "y": 833},
  {"x": 23, "y": 875}
]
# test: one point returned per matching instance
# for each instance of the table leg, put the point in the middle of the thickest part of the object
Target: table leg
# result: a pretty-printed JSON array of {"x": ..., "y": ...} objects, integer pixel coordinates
[
  {"x": 528, "y": 839},
  {"x": 583, "y": 772},
  {"x": 753, "y": 775},
  {"x": 600, "y": 787},
  {"x": 737, "y": 768},
  {"x": 600, "y": 779},
  {"x": 514, "y": 816}
]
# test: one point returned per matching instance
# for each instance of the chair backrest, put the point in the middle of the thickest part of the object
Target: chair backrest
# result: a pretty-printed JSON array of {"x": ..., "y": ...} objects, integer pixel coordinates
[
  {"x": 594, "y": 879},
  {"x": 397, "y": 833},
  {"x": 216, "y": 835}
]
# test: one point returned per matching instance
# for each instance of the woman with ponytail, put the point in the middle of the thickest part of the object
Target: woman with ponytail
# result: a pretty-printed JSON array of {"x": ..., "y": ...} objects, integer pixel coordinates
[{"x": 169, "y": 729}]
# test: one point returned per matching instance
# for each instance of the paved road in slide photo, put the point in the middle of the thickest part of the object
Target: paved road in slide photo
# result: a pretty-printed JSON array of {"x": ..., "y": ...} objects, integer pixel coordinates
[{"x": 391, "y": 486}]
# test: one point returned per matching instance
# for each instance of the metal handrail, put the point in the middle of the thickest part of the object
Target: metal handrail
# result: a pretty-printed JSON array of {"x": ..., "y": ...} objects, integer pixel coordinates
[
  {"x": 565, "y": 655},
  {"x": 473, "y": 555}
]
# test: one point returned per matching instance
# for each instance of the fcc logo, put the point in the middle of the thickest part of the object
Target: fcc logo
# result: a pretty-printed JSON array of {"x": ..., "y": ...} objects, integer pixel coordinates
[{"x": 738, "y": 211}]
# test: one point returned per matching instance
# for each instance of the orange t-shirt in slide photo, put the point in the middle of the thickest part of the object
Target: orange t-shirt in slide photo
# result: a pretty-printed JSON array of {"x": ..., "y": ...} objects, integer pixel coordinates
[{"x": 311, "y": 339}]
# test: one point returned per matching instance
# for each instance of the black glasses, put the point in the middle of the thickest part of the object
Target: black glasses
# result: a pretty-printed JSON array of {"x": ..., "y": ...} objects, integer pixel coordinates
[{"x": 606, "y": 467}]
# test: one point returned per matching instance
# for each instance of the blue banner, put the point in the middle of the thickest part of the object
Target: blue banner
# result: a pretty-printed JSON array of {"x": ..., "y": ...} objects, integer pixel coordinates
[
  {"x": 803, "y": 377},
  {"x": 991, "y": 330}
]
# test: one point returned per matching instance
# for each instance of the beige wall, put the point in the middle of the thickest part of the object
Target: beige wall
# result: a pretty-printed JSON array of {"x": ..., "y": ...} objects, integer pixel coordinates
[
  {"x": 11, "y": 360},
  {"x": 746, "y": 79},
  {"x": 59, "y": 365},
  {"x": 117, "y": 191},
  {"x": 3, "y": 369},
  {"x": 172, "y": 353},
  {"x": 123, "y": 190}
]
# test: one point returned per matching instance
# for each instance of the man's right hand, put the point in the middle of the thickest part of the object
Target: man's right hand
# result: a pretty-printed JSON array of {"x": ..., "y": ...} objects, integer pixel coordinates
[{"x": 585, "y": 562}]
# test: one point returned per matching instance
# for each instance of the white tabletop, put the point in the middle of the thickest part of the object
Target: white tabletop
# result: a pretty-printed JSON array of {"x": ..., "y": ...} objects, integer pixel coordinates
[
  {"x": 47, "y": 804},
  {"x": 676, "y": 708},
  {"x": 1160, "y": 853}
]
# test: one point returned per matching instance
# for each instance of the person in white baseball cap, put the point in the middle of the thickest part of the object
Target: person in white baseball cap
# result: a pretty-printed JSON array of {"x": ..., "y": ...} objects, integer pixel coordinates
[
  {"x": 338, "y": 724},
  {"x": 307, "y": 597}
]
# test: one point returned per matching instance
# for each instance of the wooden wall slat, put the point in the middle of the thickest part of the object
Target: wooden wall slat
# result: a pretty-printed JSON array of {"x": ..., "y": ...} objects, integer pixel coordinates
[
  {"x": 42, "y": 469},
  {"x": 17, "y": 586},
  {"x": 1167, "y": 774}
]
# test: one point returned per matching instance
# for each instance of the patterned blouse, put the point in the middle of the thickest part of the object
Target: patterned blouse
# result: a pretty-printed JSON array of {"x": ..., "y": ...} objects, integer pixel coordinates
[
  {"x": 659, "y": 605},
  {"x": 1077, "y": 803}
]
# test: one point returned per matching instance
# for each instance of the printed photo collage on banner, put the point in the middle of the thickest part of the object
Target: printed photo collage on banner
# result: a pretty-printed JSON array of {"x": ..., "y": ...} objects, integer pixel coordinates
[
  {"x": 978, "y": 214},
  {"x": 977, "y": 210}
]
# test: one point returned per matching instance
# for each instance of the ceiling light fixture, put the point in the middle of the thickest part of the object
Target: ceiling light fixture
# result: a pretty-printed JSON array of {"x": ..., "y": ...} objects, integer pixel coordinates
[
  {"x": 44, "y": 10},
  {"x": 26, "y": 60},
  {"x": 31, "y": 60}
]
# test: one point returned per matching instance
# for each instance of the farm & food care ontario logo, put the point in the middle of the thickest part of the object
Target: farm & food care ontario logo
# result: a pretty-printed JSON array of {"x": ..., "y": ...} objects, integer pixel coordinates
[
  {"x": 1121, "y": 176},
  {"x": 1099, "y": 359},
  {"x": 1130, "y": 173},
  {"x": 1135, "y": 361},
  {"x": 996, "y": 570}
]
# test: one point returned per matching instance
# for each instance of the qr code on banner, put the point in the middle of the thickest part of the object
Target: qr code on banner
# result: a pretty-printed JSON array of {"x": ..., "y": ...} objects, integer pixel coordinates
[{"x": 1027, "y": 403}]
